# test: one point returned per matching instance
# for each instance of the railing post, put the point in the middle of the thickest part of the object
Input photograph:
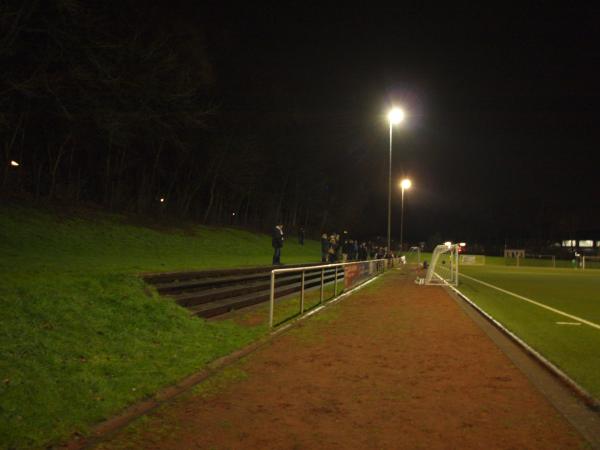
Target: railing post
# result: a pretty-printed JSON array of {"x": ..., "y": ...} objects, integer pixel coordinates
[
  {"x": 302, "y": 294},
  {"x": 322, "y": 284},
  {"x": 272, "y": 299},
  {"x": 335, "y": 283}
]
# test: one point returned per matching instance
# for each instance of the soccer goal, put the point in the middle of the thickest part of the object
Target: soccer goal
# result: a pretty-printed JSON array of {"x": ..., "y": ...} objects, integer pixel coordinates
[
  {"x": 531, "y": 260},
  {"x": 472, "y": 260},
  {"x": 590, "y": 262},
  {"x": 535, "y": 260},
  {"x": 413, "y": 256},
  {"x": 443, "y": 268}
]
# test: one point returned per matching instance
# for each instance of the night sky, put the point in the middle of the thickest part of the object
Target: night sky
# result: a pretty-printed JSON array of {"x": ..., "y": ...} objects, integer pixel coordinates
[
  {"x": 245, "y": 115},
  {"x": 502, "y": 106}
]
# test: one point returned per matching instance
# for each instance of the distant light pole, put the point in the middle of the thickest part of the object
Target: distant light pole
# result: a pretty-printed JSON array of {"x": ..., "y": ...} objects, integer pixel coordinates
[
  {"x": 395, "y": 116},
  {"x": 404, "y": 184}
]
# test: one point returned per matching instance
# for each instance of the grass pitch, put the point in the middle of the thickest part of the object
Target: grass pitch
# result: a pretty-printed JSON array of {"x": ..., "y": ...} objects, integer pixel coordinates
[{"x": 561, "y": 336}]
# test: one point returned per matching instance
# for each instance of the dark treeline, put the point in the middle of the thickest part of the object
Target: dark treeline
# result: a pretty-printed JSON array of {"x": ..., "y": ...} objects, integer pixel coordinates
[{"x": 121, "y": 106}]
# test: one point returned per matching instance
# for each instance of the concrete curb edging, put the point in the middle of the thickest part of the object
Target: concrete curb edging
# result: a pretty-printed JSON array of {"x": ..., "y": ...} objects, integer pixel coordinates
[{"x": 104, "y": 430}]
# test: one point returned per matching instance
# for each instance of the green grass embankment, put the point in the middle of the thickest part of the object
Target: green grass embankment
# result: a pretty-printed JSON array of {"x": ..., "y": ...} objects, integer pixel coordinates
[{"x": 80, "y": 335}]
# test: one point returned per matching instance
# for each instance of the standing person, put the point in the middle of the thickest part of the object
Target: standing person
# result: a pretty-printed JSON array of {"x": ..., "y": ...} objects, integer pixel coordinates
[
  {"x": 362, "y": 252},
  {"x": 332, "y": 248},
  {"x": 346, "y": 249},
  {"x": 277, "y": 243},
  {"x": 338, "y": 248},
  {"x": 324, "y": 247},
  {"x": 370, "y": 250},
  {"x": 301, "y": 236}
]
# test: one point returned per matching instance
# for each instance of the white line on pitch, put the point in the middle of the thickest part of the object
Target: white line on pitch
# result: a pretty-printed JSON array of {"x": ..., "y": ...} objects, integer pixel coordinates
[
  {"x": 541, "y": 305},
  {"x": 568, "y": 323}
]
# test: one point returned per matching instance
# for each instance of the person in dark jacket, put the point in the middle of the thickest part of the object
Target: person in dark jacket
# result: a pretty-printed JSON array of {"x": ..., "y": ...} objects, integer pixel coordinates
[
  {"x": 301, "y": 236},
  {"x": 333, "y": 248},
  {"x": 324, "y": 247},
  {"x": 362, "y": 252},
  {"x": 277, "y": 243}
]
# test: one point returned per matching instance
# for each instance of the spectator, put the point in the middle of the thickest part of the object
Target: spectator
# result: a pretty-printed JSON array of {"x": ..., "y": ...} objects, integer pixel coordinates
[
  {"x": 301, "y": 236},
  {"x": 277, "y": 243},
  {"x": 346, "y": 250},
  {"x": 338, "y": 247},
  {"x": 362, "y": 252},
  {"x": 332, "y": 251},
  {"x": 324, "y": 247},
  {"x": 370, "y": 250}
]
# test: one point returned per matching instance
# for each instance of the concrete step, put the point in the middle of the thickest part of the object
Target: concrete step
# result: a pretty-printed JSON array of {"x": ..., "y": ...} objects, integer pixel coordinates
[
  {"x": 218, "y": 307},
  {"x": 197, "y": 297},
  {"x": 168, "y": 277},
  {"x": 178, "y": 287}
]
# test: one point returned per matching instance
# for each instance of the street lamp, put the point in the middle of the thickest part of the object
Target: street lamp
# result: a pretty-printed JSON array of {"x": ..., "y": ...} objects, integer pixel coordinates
[
  {"x": 395, "y": 116},
  {"x": 404, "y": 184}
]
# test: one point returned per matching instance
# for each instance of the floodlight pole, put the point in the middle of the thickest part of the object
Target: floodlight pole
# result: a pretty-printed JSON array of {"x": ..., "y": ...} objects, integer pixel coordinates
[
  {"x": 396, "y": 115},
  {"x": 402, "y": 221},
  {"x": 389, "y": 222}
]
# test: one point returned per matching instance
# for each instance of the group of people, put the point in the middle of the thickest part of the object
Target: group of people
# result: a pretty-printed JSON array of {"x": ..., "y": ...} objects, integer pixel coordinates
[
  {"x": 334, "y": 247},
  {"x": 340, "y": 248}
]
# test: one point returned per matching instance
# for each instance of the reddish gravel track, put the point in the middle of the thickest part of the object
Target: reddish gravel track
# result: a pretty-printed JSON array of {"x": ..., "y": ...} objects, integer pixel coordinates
[{"x": 393, "y": 366}]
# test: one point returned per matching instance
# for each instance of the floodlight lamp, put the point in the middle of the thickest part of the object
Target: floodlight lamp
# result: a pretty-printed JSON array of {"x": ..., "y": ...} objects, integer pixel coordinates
[
  {"x": 162, "y": 200},
  {"x": 395, "y": 116},
  {"x": 14, "y": 163},
  {"x": 405, "y": 184}
]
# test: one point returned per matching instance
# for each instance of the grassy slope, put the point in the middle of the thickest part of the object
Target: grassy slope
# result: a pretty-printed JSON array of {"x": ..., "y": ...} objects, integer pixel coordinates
[
  {"x": 79, "y": 336},
  {"x": 571, "y": 348}
]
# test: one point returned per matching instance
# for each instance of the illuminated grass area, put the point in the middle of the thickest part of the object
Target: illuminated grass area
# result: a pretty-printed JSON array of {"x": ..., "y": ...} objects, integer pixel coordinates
[
  {"x": 572, "y": 348},
  {"x": 81, "y": 337}
]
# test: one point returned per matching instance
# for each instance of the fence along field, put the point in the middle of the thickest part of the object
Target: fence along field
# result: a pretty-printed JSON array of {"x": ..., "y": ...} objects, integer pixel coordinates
[{"x": 562, "y": 320}]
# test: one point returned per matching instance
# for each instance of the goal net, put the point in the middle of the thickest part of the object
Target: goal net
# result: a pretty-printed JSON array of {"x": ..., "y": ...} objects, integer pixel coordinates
[
  {"x": 590, "y": 262},
  {"x": 531, "y": 260},
  {"x": 471, "y": 260},
  {"x": 413, "y": 256},
  {"x": 443, "y": 268}
]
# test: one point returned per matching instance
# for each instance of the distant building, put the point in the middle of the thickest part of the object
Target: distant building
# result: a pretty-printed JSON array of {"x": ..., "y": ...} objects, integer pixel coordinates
[{"x": 514, "y": 253}]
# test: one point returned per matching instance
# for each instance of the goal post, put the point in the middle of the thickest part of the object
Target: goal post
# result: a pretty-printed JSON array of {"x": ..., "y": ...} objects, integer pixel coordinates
[
  {"x": 590, "y": 262},
  {"x": 536, "y": 260},
  {"x": 530, "y": 260},
  {"x": 443, "y": 268}
]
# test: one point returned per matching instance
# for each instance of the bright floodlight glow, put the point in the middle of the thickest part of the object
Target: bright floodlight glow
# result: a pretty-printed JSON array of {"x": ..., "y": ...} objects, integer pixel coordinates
[
  {"x": 162, "y": 200},
  {"x": 463, "y": 244},
  {"x": 14, "y": 163},
  {"x": 395, "y": 116},
  {"x": 405, "y": 184}
]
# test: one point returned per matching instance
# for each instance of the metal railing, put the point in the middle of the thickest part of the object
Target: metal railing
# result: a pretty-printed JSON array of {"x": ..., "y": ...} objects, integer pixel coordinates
[{"x": 374, "y": 268}]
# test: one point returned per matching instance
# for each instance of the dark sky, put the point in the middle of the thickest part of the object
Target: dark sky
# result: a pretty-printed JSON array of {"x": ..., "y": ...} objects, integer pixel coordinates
[{"x": 502, "y": 128}]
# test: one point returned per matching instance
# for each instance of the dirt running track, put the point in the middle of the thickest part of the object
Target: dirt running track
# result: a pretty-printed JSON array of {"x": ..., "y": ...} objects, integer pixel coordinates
[{"x": 393, "y": 366}]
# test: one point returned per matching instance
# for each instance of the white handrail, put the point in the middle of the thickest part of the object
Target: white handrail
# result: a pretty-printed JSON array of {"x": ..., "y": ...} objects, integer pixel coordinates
[
  {"x": 321, "y": 267},
  {"x": 325, "y": 266}
]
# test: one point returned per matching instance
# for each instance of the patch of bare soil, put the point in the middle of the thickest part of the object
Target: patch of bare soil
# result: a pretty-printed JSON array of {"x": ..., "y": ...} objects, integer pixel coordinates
[{"x": 393, "y": 366}]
